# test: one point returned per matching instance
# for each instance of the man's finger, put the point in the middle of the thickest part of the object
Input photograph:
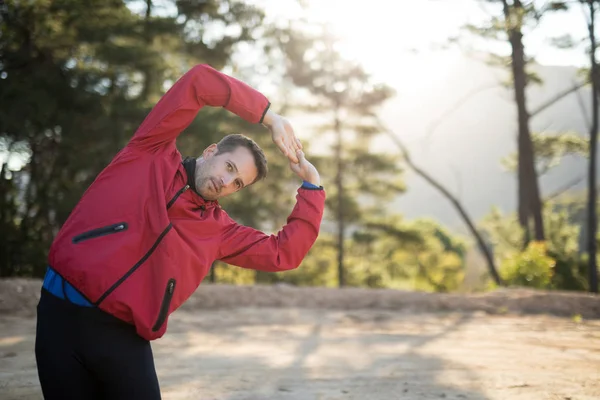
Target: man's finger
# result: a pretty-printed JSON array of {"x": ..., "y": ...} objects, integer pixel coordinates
[
  {"x": 293, "y": 141},
  {"x": 292, "y": 157},
  {"x": 282, "y": 147},
  {"x": 291, "y": 154}
]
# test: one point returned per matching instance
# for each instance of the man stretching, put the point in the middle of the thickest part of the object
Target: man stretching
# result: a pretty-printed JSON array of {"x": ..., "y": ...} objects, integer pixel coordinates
[{"x": 146, "y": 233}]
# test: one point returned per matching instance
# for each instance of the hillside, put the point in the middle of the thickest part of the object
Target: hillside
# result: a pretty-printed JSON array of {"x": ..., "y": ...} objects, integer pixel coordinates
[{"x": 465, "y": 150}]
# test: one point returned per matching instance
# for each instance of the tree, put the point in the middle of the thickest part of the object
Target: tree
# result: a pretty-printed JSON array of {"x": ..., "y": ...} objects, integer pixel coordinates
[
  {"x": 589, "y": 9},
  {"x": 529, "y": 192},
  {"x": 550, "y": 149},
  {"x": 592, "y": 211},
  {"x": 344, "y": 93},
  {"x": 77, "y": 79},
  {"x": 509, "y": 26}
]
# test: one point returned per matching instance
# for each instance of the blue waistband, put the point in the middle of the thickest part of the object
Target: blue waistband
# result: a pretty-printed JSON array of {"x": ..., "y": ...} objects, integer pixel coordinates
[{"x": 55, "y": 284}]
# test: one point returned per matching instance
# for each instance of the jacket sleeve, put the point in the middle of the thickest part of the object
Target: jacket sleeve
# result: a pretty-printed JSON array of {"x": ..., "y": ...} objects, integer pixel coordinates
[
  {"x": 249, "y": 248},
  {"x": 200, "y": 86}
]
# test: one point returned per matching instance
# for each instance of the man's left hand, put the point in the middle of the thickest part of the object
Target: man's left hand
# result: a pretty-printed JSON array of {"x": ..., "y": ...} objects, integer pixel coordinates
[{"x": 283, "y": 135}]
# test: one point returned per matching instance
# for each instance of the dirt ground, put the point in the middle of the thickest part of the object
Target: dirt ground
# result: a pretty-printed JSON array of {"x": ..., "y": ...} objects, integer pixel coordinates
[{"x": 246, "y": 343}]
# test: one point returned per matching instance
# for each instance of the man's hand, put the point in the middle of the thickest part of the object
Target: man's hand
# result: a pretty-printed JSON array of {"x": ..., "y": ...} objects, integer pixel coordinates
[
  {"x": 305, "y": 170},
  {"x": 283, "y": 135}
]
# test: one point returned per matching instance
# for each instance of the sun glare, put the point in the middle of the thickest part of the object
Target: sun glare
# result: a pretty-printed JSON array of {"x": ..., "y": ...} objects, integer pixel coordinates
[
  {"x": 385, "y": 37},
  {"x": 393, "y": 40}
]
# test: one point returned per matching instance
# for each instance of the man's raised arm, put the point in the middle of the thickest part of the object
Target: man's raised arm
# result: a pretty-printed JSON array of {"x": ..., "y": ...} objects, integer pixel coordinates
[{"x": 202, "y": 85}]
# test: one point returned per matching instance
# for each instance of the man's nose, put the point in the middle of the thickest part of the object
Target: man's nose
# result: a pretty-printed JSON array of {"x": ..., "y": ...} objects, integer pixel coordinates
[{"x": 228, "y": 179}]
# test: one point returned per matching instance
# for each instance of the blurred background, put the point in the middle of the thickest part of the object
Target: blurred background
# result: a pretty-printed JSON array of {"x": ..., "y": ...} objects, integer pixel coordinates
[{"x": 455, "y": 139}]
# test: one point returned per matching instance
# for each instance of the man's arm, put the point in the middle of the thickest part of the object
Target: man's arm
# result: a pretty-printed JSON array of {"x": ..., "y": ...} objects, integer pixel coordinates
[
  {"x": 250, "y": 248},
  {"x": 200, "y": 86}
]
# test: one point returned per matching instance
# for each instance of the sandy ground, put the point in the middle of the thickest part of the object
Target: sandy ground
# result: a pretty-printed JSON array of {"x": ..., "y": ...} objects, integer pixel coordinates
[{"x": 270, "y": 349}]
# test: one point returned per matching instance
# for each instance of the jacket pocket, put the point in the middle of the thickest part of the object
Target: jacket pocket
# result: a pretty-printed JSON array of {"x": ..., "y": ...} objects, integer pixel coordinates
[
  {"x": 164, "y": 307},
  {"x": 105, "y": 230}
]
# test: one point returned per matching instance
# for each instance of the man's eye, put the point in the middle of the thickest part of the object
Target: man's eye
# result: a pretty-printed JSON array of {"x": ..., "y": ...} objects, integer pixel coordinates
[{"x": 229, "y": 167}]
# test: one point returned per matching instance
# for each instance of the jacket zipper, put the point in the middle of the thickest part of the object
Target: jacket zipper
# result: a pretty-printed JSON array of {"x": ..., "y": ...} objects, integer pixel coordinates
[
  {"x": 164, "y": 307},
  {"x": 105, "y": 230},
  {"x": 148, "y": 253},
  {"x": 179, "y": 192},
  {"x": 136, "y": 266}
]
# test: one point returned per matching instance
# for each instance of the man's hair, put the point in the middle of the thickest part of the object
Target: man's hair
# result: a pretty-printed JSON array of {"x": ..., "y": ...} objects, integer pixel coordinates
[{"x": 231, "y": 142}]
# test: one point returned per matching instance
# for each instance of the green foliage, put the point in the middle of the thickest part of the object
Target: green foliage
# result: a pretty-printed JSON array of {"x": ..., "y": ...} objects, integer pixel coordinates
[
  {"x": 559, "y": 258},
  {"x": 531, "y": 267},
  {"x": 419, "y": 255},
  {"x": 318, "y": 268},
  {"x": 549, "y": 150},
  {"x": 386, "y": 253},
  {"x": 228, "y": 274}
]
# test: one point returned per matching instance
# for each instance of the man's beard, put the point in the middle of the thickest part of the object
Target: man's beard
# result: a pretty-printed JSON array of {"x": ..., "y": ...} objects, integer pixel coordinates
[{"x": 205, "y": 188}]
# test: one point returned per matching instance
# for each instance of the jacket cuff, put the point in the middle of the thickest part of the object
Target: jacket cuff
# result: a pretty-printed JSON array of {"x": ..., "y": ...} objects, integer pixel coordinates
[
  {"x": 264, "y": 113},
  {"x": 308, "y": 185}
]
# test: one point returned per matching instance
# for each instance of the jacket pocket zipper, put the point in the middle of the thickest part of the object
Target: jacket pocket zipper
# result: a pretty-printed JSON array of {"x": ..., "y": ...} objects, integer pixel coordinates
[
  {"x": 164, "y": 307},
  {"x": 105, "y": 230}
]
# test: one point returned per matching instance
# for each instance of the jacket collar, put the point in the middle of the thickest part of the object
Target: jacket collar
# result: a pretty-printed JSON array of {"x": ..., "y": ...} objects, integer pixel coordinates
[{"x": 189, "y": 163}]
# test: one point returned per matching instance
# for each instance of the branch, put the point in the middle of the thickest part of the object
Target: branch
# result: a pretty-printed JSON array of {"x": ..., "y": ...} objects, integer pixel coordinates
[
  {"x": 564, "y": 188},
  {"x": 463, "y": 213},
  {"x": 558, "y": 97}
]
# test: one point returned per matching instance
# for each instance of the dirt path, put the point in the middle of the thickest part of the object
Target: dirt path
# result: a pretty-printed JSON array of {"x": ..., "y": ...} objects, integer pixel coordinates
[{"x": 292, "y": 353}]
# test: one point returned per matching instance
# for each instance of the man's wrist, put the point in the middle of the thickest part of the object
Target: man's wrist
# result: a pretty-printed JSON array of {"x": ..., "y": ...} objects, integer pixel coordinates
[{"x": 269, "y": 118}]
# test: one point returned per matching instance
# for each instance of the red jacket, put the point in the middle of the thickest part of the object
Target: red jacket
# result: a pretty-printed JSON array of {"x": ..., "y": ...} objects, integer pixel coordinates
[{"x": 139, "y": 243}]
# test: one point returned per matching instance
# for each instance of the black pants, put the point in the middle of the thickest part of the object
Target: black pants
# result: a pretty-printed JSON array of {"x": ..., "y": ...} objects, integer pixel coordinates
[{"x": 85, "y": 353}]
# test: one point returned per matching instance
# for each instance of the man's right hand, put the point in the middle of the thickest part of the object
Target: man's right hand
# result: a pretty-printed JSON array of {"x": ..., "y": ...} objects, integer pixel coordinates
[
  {"x": 283, "y": 135},
  {"x": 305, "y": 170}
]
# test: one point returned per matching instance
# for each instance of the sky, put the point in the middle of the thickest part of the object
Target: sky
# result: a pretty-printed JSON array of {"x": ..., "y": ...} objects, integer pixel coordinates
[{"x": 392, "y": 38}]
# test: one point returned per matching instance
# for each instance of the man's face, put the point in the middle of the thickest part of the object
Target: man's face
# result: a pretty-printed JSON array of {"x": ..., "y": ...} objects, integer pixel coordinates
[{"x": 221, "y": 174}]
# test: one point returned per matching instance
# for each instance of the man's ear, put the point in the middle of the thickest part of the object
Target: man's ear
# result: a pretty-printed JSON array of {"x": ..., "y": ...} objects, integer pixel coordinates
[{"x": 210, "y": 151}]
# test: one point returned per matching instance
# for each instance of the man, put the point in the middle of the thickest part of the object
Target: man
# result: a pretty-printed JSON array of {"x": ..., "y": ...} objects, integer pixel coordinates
[{"x": 146, "y": 233}]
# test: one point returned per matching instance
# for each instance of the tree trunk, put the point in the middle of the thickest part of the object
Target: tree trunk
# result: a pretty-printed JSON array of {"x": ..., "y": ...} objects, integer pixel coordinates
[
  {"x": 151, "y": 79},
  {"x": 592, "y": 217},
  {"x": 340, "y": 195},
  {"x": 530, "y": 204}
]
